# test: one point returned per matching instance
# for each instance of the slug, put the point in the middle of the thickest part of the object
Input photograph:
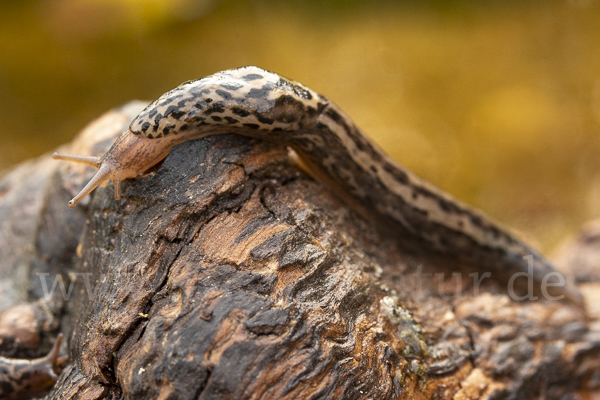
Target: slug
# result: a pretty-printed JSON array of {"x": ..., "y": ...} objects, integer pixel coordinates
[
  {"x": 21, "y": 379},
  {"x": 253, "y": 102}
]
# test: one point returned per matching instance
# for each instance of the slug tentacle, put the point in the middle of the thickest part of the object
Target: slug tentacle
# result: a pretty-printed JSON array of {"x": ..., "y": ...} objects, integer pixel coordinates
[
  {"x": 253, "y": 102},
  {"x": 98, "y": 179},
  {"x": 90, "y": 161}
]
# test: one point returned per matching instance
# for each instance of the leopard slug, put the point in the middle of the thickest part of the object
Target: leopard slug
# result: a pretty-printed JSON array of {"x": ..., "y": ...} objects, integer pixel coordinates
[
  {"x": 20, "y": 378},
  {"x": 253, "y": 102}
]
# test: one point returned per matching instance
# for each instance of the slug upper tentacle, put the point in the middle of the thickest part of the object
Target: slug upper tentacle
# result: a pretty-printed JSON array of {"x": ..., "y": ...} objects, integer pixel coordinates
[{"x": 257, "y": 103}]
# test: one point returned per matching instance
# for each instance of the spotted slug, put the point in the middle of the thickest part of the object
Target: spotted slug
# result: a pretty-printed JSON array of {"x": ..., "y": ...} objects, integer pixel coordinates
[
  {"x": 253, "y": 102},
  {"x": 21, "y": 379}
]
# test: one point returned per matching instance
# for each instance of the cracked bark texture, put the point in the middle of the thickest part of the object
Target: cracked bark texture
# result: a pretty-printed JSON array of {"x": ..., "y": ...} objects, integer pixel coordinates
[{"x": 228, "y": 273}]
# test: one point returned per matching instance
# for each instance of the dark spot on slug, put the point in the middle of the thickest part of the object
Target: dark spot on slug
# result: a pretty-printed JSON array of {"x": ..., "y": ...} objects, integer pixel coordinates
[
  {"x": 167, "y": 129},
  {"x": 231, "y": 120},
  {"x": 251, "y": 126},
  {"x": 215, "y": 108},
  {"x": 263, "y": 119},
  {"x": 145, "y": 126},
  {"x": 167, "y": 100},
  {"x": 216, "y": 118},
  {"x": 396, "y": 173},
  {"x": 334, "y": 115},
  {"x": 240, "y": 111},
  {"x": 252, "y": 77},
  {"x": 184, "y": 127},
  {"x": 150, "y": 136},
  {"x": 445, "y": 205},
  {"x": 495, "y": 231},
  {"x": 173, "y": 113},
  {"x": 178, "y": 114},
  {"x": 260, "y": 93},
  {"x": 476, "y": 220},
  {"x": 224, "y": 94},
  {"x": 373, "y": 169}
]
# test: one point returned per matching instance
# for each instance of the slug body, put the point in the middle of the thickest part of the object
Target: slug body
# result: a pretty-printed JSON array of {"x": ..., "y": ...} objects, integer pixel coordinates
[
  {"x": 257, "y": 103},
  {"x": 21, "y": 379}
]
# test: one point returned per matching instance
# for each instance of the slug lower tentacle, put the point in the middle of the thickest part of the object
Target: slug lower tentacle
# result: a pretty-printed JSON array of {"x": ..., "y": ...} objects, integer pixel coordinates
[{"x": 257, "y": 103}]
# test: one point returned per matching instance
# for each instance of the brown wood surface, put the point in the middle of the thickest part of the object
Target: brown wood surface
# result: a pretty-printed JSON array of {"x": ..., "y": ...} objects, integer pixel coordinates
[{"x": 228, "y": 273}]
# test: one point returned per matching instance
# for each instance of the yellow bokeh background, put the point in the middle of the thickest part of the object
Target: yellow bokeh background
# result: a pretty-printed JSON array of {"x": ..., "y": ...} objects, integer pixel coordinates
[{"x": 496, "y": 102}]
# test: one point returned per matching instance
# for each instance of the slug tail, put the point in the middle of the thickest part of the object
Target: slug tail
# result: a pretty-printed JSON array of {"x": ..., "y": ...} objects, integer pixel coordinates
[
  {"x": 86, "y": 160},
  {"x": 101, "y": 176}
]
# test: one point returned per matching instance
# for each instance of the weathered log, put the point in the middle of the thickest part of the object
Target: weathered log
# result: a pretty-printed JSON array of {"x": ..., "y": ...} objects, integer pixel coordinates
[{"x": 229, "y": 273}]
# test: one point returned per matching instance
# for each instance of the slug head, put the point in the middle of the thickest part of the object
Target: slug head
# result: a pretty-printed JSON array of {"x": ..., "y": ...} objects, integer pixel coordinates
[{"x": 129, "y": 156}]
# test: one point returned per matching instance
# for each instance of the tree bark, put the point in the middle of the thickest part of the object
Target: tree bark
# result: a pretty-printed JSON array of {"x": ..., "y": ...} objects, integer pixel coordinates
[{"x": 228, "y": 273}]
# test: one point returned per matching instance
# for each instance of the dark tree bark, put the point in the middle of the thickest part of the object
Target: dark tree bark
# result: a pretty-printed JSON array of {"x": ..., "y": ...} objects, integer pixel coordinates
[{"x": 229, "y": 273}]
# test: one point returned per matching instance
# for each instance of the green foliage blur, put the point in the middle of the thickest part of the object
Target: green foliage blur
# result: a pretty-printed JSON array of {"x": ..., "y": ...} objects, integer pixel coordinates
[{"x": 496, "y": 102}]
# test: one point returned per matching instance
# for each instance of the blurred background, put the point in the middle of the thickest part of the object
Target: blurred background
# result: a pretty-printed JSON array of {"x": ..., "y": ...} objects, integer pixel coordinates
[{"x": 496, "y": 102}]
